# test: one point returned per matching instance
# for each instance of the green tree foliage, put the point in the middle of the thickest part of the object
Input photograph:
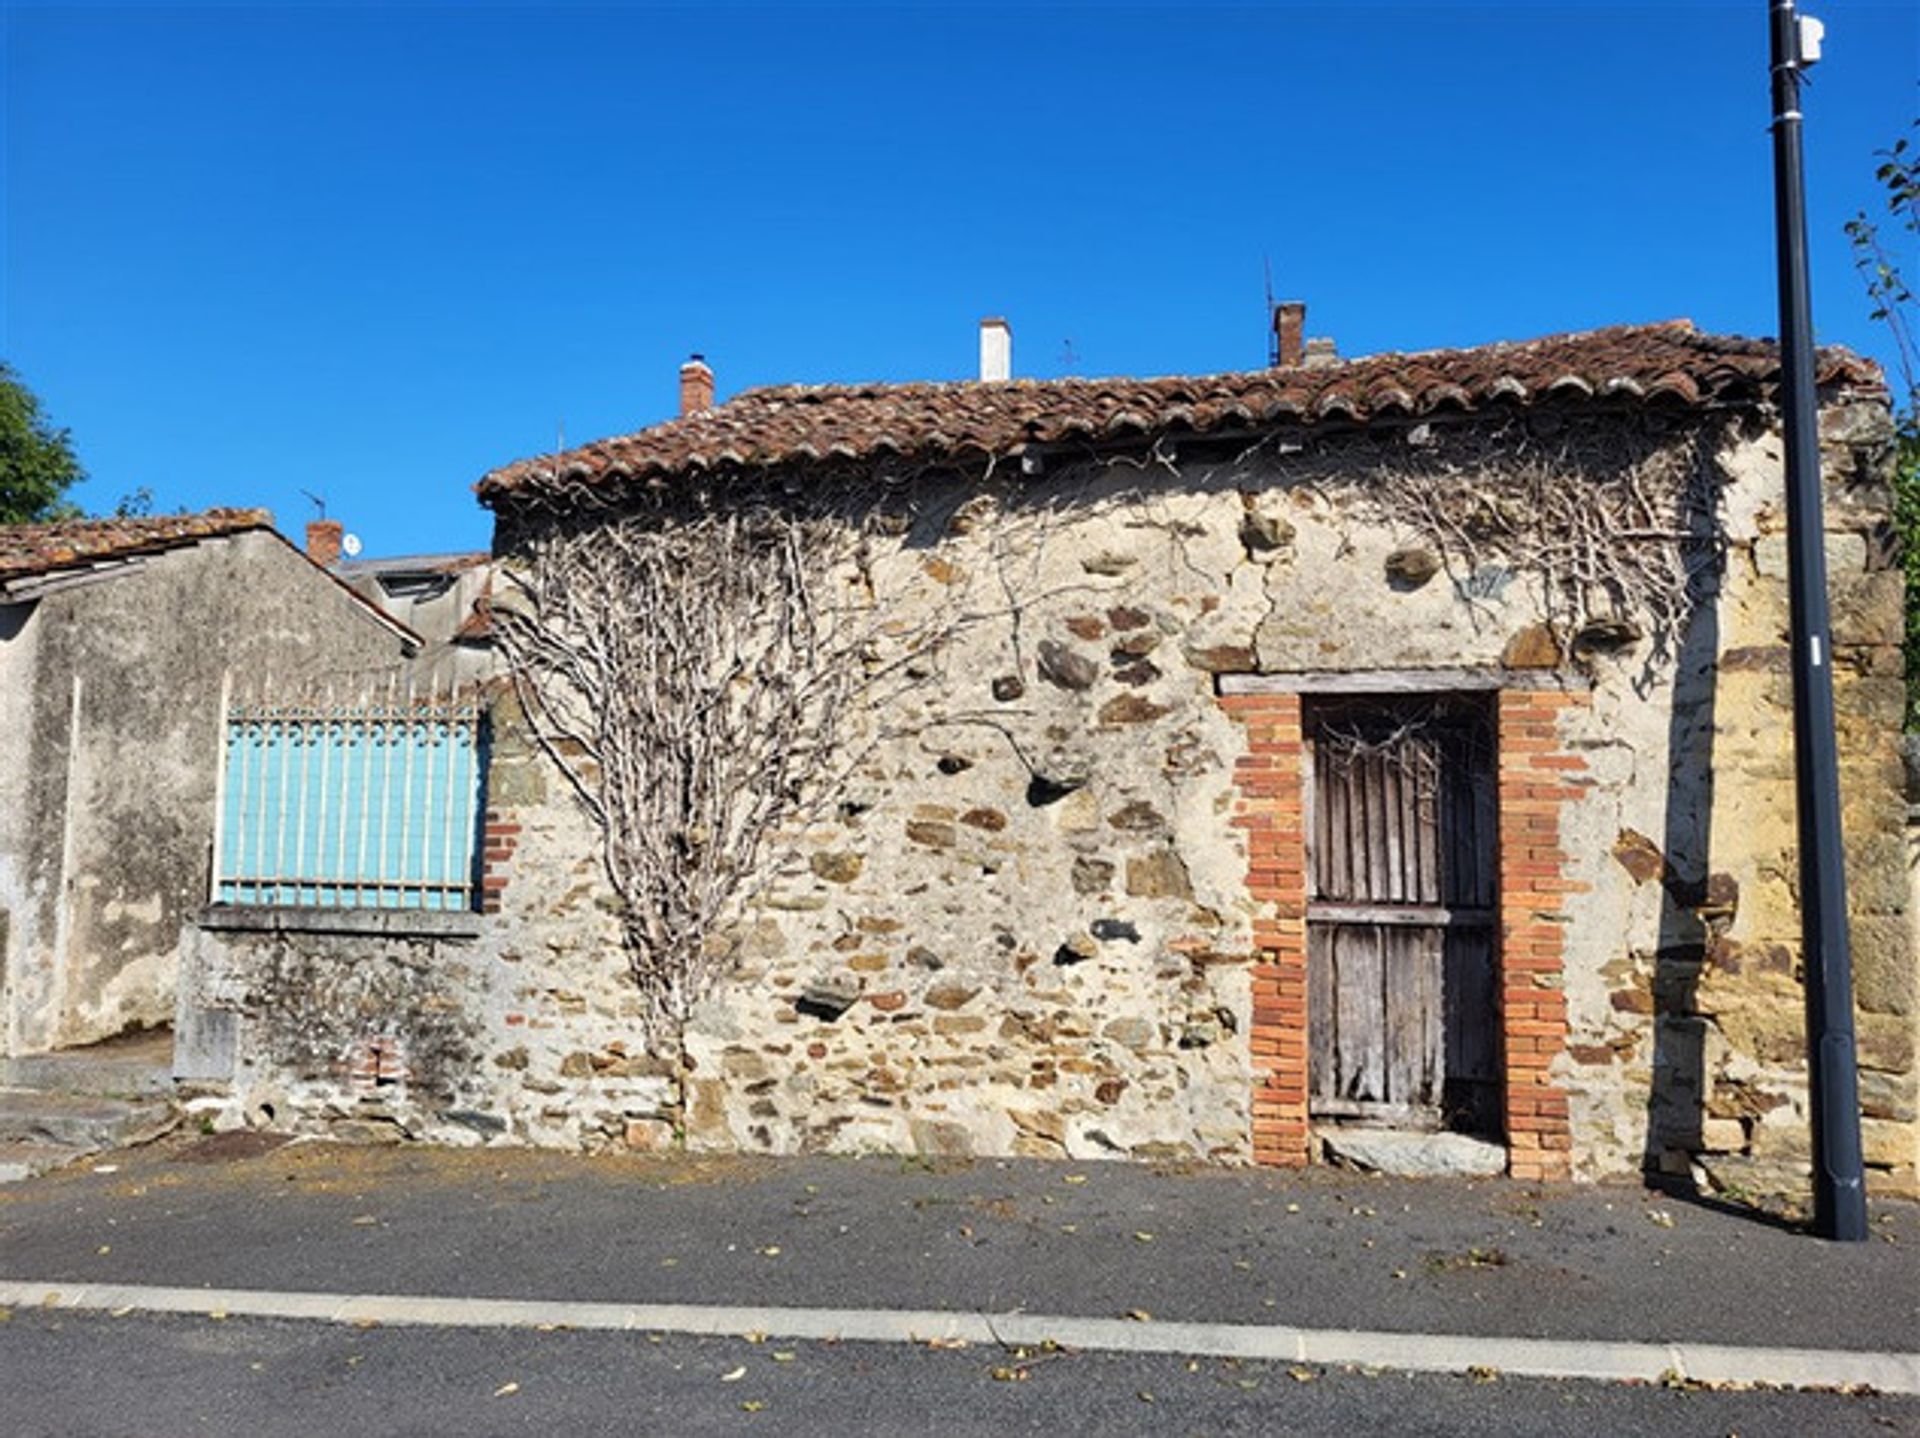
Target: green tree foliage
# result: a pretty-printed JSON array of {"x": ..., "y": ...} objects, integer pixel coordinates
[
  {"x": 37, "y": 462},
  {"x": 1895, "y": 307}
]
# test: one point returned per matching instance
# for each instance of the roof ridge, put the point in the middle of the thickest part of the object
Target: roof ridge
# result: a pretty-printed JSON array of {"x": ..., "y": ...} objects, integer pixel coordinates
[
  {"x": 836, "y": 388},
  {"x": 934, "y": 420}
]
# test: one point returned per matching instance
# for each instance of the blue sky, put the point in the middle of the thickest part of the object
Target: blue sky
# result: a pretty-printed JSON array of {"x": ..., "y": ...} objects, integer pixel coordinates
[{"x": 373, "y": 252}]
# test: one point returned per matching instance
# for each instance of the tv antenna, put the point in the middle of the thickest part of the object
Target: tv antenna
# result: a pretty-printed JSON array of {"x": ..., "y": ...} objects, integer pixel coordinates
[
  {"x": 1273, "y": 335},
  {"x": 319, "y": 503}
]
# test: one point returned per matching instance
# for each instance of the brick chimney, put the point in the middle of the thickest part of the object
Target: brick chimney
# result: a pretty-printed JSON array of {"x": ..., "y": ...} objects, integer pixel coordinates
[
  {"x": 1289, "y": 333},
  {"x": 323, "y": 541},
  {"x": 696, "y": 386}
]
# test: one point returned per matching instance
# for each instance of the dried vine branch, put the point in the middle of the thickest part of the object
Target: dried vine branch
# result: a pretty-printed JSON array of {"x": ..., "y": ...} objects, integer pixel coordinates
[
  {"x": 689, "y": 669},
  {"x": 705, "y": 671},
  {"x": 1628, "y": 540}
]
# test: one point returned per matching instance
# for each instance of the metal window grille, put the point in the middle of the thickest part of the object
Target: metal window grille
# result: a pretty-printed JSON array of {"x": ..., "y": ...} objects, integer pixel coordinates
[{"x": 369, "y": 805}]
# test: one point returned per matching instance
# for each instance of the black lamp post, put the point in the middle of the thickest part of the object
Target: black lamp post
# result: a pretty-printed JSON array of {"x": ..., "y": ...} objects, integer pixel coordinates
[{"x": 1839, "y": 1187}]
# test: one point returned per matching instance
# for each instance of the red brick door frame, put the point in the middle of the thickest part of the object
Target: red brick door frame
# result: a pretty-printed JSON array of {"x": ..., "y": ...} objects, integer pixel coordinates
[{"x": 1537, "y": 778}]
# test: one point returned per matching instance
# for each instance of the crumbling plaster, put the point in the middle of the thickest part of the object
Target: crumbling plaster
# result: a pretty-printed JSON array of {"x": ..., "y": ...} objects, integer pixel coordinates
[{"x": 115, "y": 686}]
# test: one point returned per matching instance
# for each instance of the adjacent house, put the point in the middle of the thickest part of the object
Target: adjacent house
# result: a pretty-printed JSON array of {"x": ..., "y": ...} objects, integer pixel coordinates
[
  {"x": 440, "y": 597},
  {"x": 121, "y": 640},
  {"x": 1386, "y": 757}
]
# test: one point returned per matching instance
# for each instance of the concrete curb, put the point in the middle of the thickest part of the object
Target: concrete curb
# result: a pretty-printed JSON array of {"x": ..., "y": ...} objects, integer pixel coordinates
[{"x": 1599, "y": 1360}]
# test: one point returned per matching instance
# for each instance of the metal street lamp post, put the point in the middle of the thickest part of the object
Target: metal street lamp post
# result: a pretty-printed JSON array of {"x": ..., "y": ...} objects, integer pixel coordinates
[{"x": 1839, "y": 1188}]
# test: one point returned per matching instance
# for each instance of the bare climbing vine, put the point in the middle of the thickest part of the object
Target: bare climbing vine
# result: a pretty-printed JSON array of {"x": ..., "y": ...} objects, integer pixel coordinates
[
  {"x": 1616, "y": 539},
  {"x": 707, "y": 670}
]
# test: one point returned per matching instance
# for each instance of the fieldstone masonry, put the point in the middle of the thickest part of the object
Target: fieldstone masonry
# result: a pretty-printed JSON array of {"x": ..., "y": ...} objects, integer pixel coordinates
[{"x": 1062, "y": 911}]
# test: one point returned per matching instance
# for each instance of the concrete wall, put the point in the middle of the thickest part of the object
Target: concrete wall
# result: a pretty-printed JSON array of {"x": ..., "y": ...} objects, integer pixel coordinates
[
  {"x": 115, "y": 686},
  {"x": 962, "y": 961}
]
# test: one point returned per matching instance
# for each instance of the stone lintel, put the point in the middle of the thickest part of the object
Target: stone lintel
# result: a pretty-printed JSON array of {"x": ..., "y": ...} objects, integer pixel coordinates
[
  {"x": 400, "y": 923},
  {"x": 1401, "y": 681}
]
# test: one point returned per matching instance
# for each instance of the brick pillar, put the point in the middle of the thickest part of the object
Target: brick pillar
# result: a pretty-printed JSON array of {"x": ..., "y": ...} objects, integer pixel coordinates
[
  {"x": 1271, "y": 811},
  {"x": 1537, "y": 779},
  {"x": 502, "y": 837}
]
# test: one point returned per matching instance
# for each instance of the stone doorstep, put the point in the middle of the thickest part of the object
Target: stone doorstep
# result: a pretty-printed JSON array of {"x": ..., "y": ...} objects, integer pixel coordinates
[
  {"x": 106, "y": 1070},
  {"x": 1403, "y": 1153},
  {"x": 81, "y": 1122}
]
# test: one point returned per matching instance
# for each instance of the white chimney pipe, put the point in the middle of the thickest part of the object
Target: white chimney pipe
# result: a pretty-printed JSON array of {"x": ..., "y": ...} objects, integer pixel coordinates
[{"x": 996, "y": 350}]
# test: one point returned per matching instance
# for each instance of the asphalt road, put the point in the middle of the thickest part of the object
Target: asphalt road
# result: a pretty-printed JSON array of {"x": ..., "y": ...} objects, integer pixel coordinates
[
  {"x": 65, "y": 1374},
  {"x": 1318, "y": 1250}
]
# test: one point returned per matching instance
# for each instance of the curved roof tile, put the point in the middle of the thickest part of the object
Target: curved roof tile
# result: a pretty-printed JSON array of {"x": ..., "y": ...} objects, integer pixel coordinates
[
  {"x": 43, "y": 548},
  {"x": 799, "y": 424}
]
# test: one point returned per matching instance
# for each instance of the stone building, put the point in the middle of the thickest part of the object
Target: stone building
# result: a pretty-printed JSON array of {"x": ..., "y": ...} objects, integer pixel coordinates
[
  {"x": 117, "y": 640},
  {"x": 1388, "y": 754}
]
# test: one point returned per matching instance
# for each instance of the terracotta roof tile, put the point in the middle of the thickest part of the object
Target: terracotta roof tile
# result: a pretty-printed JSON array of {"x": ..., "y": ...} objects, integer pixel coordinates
[
  {"x": 27, "y": 549},
  {"x": 763, "y": 428}
]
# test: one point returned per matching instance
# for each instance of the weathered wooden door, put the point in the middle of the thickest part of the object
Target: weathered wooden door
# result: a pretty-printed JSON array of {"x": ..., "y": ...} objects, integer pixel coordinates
[{"x": 1402, "y": 1014}]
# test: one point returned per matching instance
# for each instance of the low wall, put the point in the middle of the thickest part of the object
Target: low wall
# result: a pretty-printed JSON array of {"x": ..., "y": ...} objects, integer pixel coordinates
[{"x": 396, "y": 1024}]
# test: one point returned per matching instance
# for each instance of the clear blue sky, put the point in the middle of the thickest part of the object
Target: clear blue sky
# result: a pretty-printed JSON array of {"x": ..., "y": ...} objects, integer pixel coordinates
[{"x": 375, "y": 251}]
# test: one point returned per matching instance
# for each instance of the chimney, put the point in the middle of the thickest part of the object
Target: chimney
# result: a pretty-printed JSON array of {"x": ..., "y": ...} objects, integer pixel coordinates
[
  {"x": 696, "y": 386},
  {"x": 323, "y": 541},
  {"x": 996, "y": 350},
  {"x": 1289, "y": 333}
]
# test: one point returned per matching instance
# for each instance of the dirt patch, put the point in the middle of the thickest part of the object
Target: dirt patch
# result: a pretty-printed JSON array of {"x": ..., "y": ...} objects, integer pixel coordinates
[
  {"x": 229, "y": 1147},
  {"x": 324, "y": 1167}
]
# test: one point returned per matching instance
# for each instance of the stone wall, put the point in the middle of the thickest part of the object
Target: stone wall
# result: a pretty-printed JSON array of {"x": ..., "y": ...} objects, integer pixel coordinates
[
  {"x": 404, "y": 1024},
  {"x": 1045, "y": 916}
]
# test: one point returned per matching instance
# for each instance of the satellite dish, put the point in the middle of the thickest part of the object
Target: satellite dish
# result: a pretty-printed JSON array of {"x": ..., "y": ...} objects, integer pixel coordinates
[{"x": 350, "y": 545}]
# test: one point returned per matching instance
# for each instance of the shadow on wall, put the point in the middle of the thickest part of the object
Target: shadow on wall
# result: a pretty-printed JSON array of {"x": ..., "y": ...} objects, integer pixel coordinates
[{"x": 1695, "y": 903}]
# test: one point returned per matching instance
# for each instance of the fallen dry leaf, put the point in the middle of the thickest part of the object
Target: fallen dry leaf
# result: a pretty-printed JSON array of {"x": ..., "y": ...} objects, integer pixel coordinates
[
  {"x": 735, "y": 1376},
  {"x": 506, "y": 1390}
]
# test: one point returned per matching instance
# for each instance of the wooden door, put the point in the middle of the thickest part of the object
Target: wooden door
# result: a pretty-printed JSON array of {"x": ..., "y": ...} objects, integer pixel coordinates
[{"x": 1402, "y": 1018}]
